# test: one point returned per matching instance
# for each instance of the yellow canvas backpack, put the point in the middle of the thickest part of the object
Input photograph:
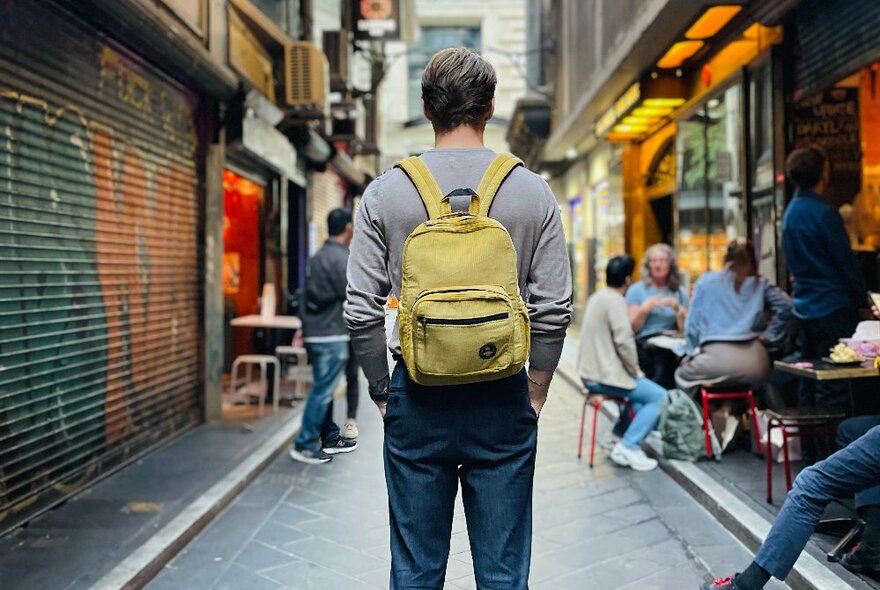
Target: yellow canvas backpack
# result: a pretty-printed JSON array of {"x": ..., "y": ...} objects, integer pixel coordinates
[{"x": 462, "y": 319}]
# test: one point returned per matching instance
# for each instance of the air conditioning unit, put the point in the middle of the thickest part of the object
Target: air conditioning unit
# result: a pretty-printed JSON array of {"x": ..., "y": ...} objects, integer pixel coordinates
[
  {"x": 336, "y": 48},
  {"x": 305, "y": 77}
]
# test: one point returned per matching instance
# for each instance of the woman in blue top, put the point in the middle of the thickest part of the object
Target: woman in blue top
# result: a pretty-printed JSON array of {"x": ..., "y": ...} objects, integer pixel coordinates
[
  {"x": 657, "y": 304},
  {"x": 727, "y": 329}
]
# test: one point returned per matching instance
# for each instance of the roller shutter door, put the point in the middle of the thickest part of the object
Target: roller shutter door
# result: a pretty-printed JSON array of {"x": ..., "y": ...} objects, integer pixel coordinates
[
  {"x": 99, "y": 257},
  {"x": 832, "y": 40}
]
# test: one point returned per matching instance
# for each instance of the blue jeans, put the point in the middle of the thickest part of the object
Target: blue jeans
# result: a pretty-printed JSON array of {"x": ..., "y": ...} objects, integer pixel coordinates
[
  {"x": 848, "y": 432},
  {"x": 853, "y": 469},
  {"x": 646, "y": 399},
  {"x": 328, "y": 361},
  {"x": 485, "y": 436}
]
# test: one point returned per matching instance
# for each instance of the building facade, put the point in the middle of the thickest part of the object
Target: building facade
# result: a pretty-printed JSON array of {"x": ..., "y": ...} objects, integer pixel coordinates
[
  {"x": 494, "y": 28},
  {"x": 679, "y": 115}
]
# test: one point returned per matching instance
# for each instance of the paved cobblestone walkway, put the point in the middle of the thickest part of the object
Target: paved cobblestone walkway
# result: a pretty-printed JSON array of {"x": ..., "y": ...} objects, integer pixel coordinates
[{"x": 326, "y": 526}]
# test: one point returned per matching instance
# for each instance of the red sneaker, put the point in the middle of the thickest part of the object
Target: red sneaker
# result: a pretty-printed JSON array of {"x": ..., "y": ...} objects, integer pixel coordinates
[{"x": 720, "y": 584}]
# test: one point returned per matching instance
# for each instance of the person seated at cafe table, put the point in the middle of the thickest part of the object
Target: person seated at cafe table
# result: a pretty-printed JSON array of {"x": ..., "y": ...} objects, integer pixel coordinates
[
  {"x": 657, "y": 304},
  {"x": 726, "y": 330},
  {"x": 608, "y": 363}
]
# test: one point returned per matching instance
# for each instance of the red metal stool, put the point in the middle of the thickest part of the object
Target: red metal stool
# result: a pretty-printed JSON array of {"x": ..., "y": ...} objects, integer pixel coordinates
[
  {"x": 731, "y": 392},
  {"x": 595, "y": 400},
  {"x": 790, "y": 418}
]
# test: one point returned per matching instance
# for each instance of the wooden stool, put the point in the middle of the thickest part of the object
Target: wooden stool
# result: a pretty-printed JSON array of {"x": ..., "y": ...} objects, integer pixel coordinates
[
  {"x": 301, "y": 372},
  {"x": 263, "y": 361},
  {"x": 791, "y": 418}
]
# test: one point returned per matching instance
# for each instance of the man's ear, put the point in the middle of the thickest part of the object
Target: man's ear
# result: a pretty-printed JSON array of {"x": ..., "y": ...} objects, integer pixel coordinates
[
  {"x": 425, "y": 112},
  {"x": 491, "y": 112}
]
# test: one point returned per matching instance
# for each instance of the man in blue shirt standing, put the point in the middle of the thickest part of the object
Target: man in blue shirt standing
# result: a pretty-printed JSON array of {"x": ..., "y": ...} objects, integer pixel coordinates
[{"x": 829, "y": 290}]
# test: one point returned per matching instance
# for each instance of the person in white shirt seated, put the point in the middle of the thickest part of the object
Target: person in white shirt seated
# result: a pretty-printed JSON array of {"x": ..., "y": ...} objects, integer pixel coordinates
[{"x": 608, "y": 363}]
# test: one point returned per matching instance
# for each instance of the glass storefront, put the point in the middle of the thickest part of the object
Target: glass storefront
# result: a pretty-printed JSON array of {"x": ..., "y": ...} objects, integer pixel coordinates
[{"x": 711, "y": 201}]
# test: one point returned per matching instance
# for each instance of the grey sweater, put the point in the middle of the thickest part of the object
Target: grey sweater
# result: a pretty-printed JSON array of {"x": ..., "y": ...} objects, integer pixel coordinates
[{"x": 391, "y": 209}]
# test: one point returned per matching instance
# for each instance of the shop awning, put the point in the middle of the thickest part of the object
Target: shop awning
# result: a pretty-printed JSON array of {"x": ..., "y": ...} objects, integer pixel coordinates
[{"x": 660, "y": 31}]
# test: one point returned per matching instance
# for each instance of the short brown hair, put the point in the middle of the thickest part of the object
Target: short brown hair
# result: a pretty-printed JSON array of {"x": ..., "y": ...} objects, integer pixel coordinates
[
  {"x": 457, "y": 88},
  {"x": 804, "y": 167}
]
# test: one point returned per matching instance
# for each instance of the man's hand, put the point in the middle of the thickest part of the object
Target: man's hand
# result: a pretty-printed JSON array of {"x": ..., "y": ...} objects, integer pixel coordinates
[
  {"x": 539, "y": 384},
  {"x": 869, "y": 314},
  {"x": 378, "y": 391}
]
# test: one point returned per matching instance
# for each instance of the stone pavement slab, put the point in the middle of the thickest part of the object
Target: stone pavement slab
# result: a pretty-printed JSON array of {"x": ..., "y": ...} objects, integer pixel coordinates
[
  {"x": 326, "y": 526},
  {"x": 75, "y": 544}
]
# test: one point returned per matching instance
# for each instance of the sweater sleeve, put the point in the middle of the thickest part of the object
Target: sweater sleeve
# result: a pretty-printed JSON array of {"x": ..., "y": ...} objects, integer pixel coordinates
[
  {"x": 624, "y": 339},
  {"x": 369, "y": 284},
  {"x": 549, "y": 289},
  {"x": 780, "y": 307}
]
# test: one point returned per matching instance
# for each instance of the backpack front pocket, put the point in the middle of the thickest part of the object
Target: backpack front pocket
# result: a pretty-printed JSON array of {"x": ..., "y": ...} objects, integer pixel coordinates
[{"x": 463, "y": 332}]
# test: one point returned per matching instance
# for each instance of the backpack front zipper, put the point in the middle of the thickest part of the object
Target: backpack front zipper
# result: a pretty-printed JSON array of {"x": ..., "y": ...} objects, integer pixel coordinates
[{"x": 463, "y": 322}]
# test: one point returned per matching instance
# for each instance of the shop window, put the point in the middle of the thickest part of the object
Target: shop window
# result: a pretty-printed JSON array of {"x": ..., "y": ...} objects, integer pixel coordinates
[
  {"x": 765, "y": 192},
  {"x": 432, "y": 40},
  {"x": 711, "y": 203},
  {"x": 242, "y": 204}
]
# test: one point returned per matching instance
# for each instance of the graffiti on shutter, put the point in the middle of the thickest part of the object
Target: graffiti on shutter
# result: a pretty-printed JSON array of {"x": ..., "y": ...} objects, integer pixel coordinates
[{"x": 99, "y": 258}]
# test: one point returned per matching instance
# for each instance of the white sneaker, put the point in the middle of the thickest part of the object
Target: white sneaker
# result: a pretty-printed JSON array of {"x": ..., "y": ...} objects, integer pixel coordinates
[
  {"x": 350, "y": 430},
  {"x": 635, "y": 459},
  {"x": 608, "y": 441}
]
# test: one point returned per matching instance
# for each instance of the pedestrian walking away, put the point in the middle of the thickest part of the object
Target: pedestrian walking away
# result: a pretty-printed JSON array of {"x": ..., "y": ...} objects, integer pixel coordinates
[
  {"x": 327, "y": 341},
  {"x": 458, "y": 406}
]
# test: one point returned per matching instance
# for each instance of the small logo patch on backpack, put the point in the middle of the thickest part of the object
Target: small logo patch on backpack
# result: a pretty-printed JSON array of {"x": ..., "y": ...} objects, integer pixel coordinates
[{"x": 488, "y": 351}]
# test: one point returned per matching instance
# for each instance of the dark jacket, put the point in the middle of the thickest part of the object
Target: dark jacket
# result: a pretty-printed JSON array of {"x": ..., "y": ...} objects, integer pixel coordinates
[
  {"x": 826, "y": 274},
  {"x": 324, "y": 294}
]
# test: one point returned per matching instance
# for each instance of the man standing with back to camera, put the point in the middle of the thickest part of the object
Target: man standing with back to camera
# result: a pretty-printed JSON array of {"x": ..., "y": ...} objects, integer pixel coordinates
[{"x": 483, "y": 434}]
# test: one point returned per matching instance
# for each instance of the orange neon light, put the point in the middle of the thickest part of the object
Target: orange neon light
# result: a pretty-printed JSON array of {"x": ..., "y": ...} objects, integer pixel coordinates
[
  {"x": 679, "y": 53},
  {"x": 712, "y": 21}
]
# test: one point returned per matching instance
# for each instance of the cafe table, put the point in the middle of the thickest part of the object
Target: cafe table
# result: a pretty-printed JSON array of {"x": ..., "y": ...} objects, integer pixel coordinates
[
  {"x": 271, "y": 324},
  {"x": 826, "y": 371}
]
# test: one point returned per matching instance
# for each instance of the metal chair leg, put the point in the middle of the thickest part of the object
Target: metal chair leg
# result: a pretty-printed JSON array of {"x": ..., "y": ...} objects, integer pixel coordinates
[
  {"x": 755, "y": 427},
  {"x": 581, "y": 439},
  {"x": 593, "y": 436},
  {"x": 705, "y": 396},
  {"x": 786, "y": 459}
]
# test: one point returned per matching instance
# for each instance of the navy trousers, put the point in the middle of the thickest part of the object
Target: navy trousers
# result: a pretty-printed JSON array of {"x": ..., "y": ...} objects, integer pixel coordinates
[{"x": 483, "y": 436}]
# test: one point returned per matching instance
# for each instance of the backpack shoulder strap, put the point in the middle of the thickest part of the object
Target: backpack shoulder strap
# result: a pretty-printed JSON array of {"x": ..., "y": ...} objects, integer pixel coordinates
[
  {"x": 425, "y": 184},
  {"x": 495, "y": 174}
]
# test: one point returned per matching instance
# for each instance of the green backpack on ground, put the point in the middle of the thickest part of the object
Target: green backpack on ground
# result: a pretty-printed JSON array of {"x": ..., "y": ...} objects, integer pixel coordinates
[{"x": 681, "y": 425}]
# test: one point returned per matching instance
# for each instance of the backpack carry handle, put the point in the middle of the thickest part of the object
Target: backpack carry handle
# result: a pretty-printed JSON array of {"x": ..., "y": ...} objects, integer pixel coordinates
[{"x": 473, "y": 208}]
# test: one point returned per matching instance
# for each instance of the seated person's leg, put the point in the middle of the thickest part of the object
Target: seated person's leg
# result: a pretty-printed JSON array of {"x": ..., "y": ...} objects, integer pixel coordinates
[
  {"x": 866, "y": 557},
  {"x": 853, "y": 469},
  {"x": 628, "y": 452},
  {"x": 646, "y": 399}
]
